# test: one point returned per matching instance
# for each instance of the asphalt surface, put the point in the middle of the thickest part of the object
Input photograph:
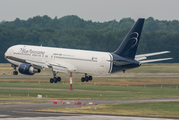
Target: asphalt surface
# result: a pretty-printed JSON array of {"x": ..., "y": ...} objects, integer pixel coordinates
[
  {"x": 112, "y": 75},
  {"x": 27, "y": 111}
]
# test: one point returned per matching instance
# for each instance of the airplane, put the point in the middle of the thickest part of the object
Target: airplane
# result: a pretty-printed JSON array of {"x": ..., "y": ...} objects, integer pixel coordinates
[{"x": 31, "y": 59}]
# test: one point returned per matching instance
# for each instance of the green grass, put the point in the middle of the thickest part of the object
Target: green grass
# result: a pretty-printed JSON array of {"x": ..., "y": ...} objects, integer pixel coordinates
[
  {"x": 158, "y": 109},
  {"x": 100, "y": 83},
  {"x": 138, "y": 87},
  {"x": 130, "y": 92}
]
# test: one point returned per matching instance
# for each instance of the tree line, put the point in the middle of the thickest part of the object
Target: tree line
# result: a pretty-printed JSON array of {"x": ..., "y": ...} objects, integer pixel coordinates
[
  {"x": 72, "y": 22},
  {"x": 76, "y": 33}
]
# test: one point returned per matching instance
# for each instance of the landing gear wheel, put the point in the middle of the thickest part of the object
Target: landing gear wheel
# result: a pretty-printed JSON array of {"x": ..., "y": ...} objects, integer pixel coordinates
[
  {"x": 15, "y": 73},
  {"x": 82, "y": 79},
  {"x": 51, "y": 80},
  {"x": 90, "y": 78},
  {"x": 59, "y": 79},
  {"x": 55, "y": 80},
  {"x": 86, "y": 78}
]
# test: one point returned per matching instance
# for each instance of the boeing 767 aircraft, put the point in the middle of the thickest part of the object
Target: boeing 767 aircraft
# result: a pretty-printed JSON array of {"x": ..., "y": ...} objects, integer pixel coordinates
[{"x": 31, "y": 59}]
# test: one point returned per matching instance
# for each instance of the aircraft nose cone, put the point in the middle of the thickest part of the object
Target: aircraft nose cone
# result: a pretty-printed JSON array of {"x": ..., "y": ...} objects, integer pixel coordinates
[{"x": 8, "y": 52}]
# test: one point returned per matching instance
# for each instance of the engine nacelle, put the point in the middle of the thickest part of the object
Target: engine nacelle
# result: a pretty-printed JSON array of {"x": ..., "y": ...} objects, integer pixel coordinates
[{"x": 28, "y": 69}]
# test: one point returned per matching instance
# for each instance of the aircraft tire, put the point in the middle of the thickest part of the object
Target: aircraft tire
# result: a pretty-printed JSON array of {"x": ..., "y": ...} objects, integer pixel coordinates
[
  {"x": 15, "y": 73},
  {"x": 86, "y": 78},
  {"x": 90, "y": 78},
  {"x": 51, "y": 80},
  {"x": 82, "y": 79},
  {"x": 55, "y": 79},
  {"x": 59, "y": 79}
]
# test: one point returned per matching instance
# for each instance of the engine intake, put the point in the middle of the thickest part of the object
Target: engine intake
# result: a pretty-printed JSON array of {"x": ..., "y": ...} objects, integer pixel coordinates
[{"x": 28, "y": 69}]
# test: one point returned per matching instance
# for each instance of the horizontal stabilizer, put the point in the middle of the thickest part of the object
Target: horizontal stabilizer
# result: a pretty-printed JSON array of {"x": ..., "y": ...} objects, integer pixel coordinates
[
  {"x": 154, "y": 60},
  {"x": 144, "y": 56}
]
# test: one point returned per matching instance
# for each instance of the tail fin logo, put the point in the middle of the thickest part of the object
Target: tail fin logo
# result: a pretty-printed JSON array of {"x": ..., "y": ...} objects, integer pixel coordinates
[
  {"x": 129, "y": 45},
  {"x": 134, "y": 39}
]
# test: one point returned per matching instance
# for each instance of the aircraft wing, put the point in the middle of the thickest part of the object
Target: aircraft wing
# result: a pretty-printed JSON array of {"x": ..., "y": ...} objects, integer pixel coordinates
[
  {"x": 39, "y": 65},
  {"x": 62, "y": 67},
  {"x": 144, "y": 56},
  {"x": 55, "y": 66}
]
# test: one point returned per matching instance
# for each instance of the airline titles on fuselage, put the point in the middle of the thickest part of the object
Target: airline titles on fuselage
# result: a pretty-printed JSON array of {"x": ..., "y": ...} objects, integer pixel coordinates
[{"x": 25, "y": 51}]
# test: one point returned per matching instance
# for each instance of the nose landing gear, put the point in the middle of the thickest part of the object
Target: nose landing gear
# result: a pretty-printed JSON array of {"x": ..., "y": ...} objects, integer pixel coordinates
[{"x": 14, "y": 72}]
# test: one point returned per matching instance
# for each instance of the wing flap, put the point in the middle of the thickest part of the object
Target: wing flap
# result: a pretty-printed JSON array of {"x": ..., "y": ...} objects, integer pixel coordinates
[
  {"x": 62, "y": 67},
  {"x": 39, "y": 65}
]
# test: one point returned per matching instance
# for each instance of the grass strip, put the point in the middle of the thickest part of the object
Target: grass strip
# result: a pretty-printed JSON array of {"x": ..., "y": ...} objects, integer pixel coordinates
[
  {"x": 102, "y": 81},
  {"x": 157, "y": 109},
  {"x": 131, "y": 93}
]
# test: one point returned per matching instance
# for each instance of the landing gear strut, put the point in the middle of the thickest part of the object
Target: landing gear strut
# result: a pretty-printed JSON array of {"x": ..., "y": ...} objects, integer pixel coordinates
[
  {"x": 55, "y": 79},
  {"x": 86, "y": 78},
  {"x": 14, "y": 72}
]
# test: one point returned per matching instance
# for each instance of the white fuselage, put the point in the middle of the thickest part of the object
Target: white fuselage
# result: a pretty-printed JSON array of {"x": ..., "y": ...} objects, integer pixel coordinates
[{"x": 82, "y": 61}]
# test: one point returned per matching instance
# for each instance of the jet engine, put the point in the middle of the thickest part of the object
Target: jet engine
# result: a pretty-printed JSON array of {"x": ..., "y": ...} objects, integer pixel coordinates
[{"x": 28, "y": 69}]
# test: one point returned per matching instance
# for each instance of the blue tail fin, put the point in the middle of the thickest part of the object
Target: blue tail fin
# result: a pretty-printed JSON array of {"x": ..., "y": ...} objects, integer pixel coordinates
[{"x": 129, "y": 45}]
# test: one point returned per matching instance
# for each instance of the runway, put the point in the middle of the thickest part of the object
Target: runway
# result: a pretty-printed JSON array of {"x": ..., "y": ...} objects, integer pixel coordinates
[
  {"x": 112, "y": 75},
  {"x": 27, "y": 111}
]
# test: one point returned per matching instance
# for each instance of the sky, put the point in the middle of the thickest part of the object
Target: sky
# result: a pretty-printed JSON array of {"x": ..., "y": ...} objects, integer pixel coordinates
[{"x": 95, "y": 10}]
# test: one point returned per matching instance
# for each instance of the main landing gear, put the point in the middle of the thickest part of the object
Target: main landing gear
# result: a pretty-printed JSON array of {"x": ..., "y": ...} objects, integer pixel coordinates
[
  {"x": 14, "y": 72},
  {"x": 55, "y": 79},
  {"x": 86, "y": 78}
]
